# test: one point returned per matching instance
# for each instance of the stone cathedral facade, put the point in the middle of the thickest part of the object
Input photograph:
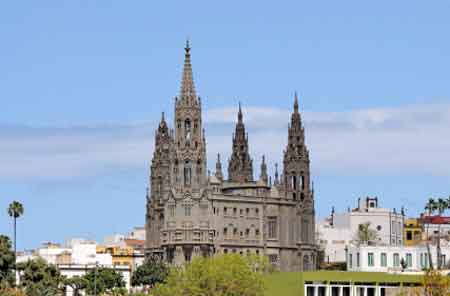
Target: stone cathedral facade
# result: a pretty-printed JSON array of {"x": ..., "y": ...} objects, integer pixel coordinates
[{"x": 192, "y": 213}]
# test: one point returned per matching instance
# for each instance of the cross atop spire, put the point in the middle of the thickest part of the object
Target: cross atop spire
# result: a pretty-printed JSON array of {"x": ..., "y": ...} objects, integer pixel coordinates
[{"x": 187, "y": 83}]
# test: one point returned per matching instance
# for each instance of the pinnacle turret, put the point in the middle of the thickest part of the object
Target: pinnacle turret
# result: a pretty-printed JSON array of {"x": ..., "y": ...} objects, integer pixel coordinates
[
  {"x": 240, "y": 165},
  {"x": 263, "y": 177},
  {"x": 218, "y": 173},
  {"x": 276, "y": 181}
]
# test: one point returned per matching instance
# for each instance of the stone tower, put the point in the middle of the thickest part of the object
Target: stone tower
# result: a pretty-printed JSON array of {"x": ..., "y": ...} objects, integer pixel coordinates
[
  {"x": 160, "y": 182},
  {"x": 240, "y": 165},
  {"x": 296, "y": 174},
  {"x": 189, "y": 171}
]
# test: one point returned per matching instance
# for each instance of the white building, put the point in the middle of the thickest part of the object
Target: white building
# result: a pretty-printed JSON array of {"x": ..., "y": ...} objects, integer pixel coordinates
[
  {"x": 389, "y": 258},
  {"x": 340, "y": 229},
  {"x": 77, "y": 259}
]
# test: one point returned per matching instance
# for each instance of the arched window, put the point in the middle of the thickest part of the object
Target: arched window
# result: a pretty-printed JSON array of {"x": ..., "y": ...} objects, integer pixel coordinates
[
  {"x": 187, "y": 173},
  {"x": 187, "y": 126},
  {"x": 301, "y": 179},
  {"x": 294, "y": 182}
]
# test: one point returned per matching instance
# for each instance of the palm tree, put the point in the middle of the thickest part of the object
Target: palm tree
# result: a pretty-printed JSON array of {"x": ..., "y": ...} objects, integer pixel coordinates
[
  {"x": 441, "y": 206},
  {"x": 430, "y": 207},
  {"x": 15, "y": 210}
]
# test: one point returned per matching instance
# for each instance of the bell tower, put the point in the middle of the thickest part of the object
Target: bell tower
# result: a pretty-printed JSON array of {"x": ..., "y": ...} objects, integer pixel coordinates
[
  {"x": 189, "y": 167},
  {"x": 296, "y": 173}
]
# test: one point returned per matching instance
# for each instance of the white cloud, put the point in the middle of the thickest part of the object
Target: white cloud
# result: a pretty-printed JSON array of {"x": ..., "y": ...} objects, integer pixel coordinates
[{"x": 409, "y": 139}]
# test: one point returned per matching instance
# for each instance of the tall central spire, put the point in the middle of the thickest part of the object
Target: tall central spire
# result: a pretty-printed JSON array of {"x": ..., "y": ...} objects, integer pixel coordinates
[{"x": 187, "y": 84}]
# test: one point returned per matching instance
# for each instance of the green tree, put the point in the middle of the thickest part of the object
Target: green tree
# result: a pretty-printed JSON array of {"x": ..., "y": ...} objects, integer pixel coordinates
[
  {"x": 6, "y": 262},
  {"x": 15, "y": 210},
  {"x": 152, "y": 272},
  {"x": 40, "y": 279},
  {"x": 103, "y": 280},
  {"x": 430, "y": 208},
  {"x": 221, "y": 275},
  {"x": 77, "y": 284},
  {"x": 365, "y": 234}
]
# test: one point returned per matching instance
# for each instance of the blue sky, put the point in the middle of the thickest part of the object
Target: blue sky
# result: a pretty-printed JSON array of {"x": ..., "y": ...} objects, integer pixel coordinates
[{"x": 83, "y": 83}]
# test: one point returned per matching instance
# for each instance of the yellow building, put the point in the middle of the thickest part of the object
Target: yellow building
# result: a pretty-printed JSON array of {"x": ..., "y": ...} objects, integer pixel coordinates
[
  {"x": 412, "y": 232},
  {"x": 120, "y": 256}
]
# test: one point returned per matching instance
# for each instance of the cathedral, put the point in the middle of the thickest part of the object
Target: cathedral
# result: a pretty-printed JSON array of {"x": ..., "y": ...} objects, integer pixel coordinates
[{"x": 191, "y": 212}]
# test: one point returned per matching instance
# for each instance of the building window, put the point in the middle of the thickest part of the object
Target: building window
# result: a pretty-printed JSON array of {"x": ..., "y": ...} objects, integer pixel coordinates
[
  {"x": 272, "y": 225},
  {"x": 257, "y": 232},
  {"x": 350, "y": 260},
  {"x": 425, "y": 260},
  {"x": 225, "y": 251},
  {"x": 409, "y": 235},
  {"x": 187, "y": 127},
  {"x": 443, "y": 260},
  {"x": 294, "y": 182},
  {"x": 247, "y": 232},
  {"x": 383, "y": 260},
  {"x": 357, "y": 260},
  {"x": 225, "y": 232},
  {"x": 257, "y": 211},
  {"x": 396, "y": 260},
  {"x": 172, "y": 211},
  {"x": 234, "y": 211},
  {"x": 370, "y": 260},
  {"x": 224, "y": 211},
  {"x": 187, "y": 210},
  {"x": 273, "y": 259},
  {"x": 247, "y": 211},
  {"x": 241, "y": 212},
  {"x": 409, "y": 260}
]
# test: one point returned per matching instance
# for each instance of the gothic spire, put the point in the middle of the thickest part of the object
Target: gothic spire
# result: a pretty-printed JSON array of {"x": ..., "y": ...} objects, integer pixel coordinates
[
  {"x": 295, "y": 103},
  {"x": 240, "y": 165},
  {"x": 240, "y": 116},
  {"x": 219, "y": 174},
  {"x": 187, "y": 83},
  {"x": 296, "y": 159},
  {"x": 276, "y": 181}
]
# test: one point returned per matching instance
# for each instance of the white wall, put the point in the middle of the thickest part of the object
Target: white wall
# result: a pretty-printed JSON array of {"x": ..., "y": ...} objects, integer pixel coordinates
[{"x": 418, "y": 255}]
